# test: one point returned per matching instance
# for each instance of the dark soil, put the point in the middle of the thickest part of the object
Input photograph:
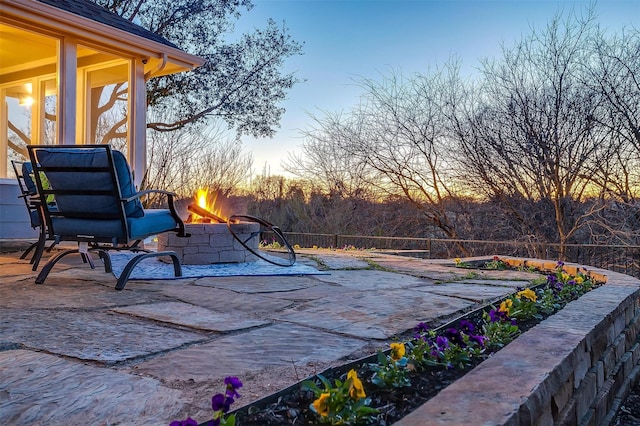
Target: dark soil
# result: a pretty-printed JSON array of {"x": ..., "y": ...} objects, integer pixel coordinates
[
  {"x": 629, "y": 413},
  {"x": 293, "y": 407}
]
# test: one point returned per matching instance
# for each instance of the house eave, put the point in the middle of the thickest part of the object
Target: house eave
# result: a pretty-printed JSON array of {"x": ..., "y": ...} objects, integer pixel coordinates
[{"x": 45, "y": 18}]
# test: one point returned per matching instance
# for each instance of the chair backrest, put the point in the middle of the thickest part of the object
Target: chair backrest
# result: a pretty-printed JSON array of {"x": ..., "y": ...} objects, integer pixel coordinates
[
  {"x": 23, "y": 172},
  {"x": 28, "y": 191},
  {"x": 89, "y": 183}
]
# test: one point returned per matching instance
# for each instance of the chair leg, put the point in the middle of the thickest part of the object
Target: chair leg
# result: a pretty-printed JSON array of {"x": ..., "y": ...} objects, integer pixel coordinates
[
  {"x": 35, "y": 260},
  {"x": 106, "y": 260},
  {"x": 49, "y": 265},
  {"x": 126, "y": 272},
  {"x": 41, "y": 244},
  {"x": 86, "y": 258},
  {"x": 27, "y": 251}
]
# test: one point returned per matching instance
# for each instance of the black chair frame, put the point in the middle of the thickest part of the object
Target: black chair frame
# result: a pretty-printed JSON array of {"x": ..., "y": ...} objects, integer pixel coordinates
[
  {"x": 32, "y": 203},
  {"x": 101, "y": 244}
]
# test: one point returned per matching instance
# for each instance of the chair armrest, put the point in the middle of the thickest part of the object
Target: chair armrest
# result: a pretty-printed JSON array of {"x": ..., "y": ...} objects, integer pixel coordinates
[
  {"x": 181, "y": 229},
  {"x": 32, "y": 200}
]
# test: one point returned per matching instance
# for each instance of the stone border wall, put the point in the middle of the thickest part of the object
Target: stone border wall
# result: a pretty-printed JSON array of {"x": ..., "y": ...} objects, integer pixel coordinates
[{"x": 574, "y": 368}]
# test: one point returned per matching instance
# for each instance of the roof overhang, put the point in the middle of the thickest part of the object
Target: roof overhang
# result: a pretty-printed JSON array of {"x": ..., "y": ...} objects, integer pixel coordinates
[{"x": 159, "y": 59}]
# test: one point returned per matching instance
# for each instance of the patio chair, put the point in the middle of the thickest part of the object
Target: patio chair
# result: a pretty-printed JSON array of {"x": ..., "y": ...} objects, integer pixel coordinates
[
  {"x": 97, "y": 206},
  {"x": 29, "y": 193}
]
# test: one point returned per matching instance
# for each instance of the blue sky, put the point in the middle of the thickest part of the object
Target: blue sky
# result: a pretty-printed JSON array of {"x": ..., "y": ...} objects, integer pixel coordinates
[{"x": 345, "y": 40}]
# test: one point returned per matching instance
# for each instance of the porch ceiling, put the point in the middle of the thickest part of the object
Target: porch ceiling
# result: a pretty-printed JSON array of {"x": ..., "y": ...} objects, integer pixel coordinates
[
  {"x": 30, "y": 31},
  {"x": 26, "y": 55},
  {"x": 20, "y": 49}
]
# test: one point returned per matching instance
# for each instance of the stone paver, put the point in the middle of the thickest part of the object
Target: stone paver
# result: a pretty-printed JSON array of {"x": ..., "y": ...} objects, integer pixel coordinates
[
  {"x": 514, "y": 284},
  {"x": 221, "y": 300},
  {"x": 43, "y": 389},
  {"x": 333, "y": 262},
  {"x": 319, "y": 291},
  {"x": 259, "y": 284},
  {"x": 191, "y": 316},
  {"x": 74, "y": 348},
  {"x": 366, "y": 314},
  {"x": 98, "y": 336},
  {"x": 273, "y": 346},
  {"x": 470, "y": 290},
  {"x": 72, "y": 294},
  {"x": 367, "y": 280}
]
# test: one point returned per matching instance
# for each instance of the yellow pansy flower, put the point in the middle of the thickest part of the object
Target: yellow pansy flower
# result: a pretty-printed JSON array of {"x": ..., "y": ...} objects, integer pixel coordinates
[
  {"x": 527, "y": 294},
  {"x": 321, "y": 404},
  {"x": 506, "y": 306},
  {"x": 356, "y": 390},
  {"x": 565, "y": 277},
  {"x": 579, "y": 279},
  {"x": 397, "y": 351}
]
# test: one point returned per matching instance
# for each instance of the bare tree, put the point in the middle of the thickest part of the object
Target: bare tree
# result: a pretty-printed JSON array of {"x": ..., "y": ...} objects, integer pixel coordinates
[
  {"x": 184, "y": 161},
  {"x": 533, "y": 134},
  {"x": 327, "y": 164},
  {"x": 399, "y": 131},
  {"x": 614, "y": 74}
]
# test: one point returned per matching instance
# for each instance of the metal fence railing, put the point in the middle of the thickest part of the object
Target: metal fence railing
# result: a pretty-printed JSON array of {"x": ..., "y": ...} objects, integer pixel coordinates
[{"x": 619, "y": 258}]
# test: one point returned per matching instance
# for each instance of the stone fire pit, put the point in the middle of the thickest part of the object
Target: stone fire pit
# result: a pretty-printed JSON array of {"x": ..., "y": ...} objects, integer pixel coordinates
[{"x": 212, "y": 243}]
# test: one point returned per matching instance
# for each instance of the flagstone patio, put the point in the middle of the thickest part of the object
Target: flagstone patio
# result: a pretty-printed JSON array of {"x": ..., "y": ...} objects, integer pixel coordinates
[{"x": 75, "y": 351}]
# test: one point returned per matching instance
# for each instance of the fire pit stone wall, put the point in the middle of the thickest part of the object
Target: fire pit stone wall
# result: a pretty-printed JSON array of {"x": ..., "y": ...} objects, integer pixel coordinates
[{"x": 212, "y": 243}]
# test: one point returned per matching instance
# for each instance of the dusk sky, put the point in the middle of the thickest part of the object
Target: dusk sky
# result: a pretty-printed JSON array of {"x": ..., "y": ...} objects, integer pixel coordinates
[{"x": 348, "y": 39}]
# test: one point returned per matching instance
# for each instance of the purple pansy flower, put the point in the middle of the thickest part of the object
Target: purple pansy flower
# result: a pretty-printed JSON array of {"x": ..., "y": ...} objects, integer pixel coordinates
[
  {"x": 233, "y": 383},
  {"x": 422, "y": 328},
  {"x": 497, "y": 315},
  {"x": 442, "y": 343},
  {"x": 467, "y": 326},
  {"x": 455, "y": 336},
  {"x": 421, "y": 331},
  {"x": 219, "y": 402},
  {"x": 480, "y": 340},
  {"x": 452, "y": 333}
]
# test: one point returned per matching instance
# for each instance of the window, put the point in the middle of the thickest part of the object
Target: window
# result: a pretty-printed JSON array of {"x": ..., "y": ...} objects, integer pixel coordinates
[{"x": 27, "y": 93}]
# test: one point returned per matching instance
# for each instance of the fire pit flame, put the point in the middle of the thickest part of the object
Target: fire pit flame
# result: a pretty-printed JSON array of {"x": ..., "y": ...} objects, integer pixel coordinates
[
  {"x": 204, "y": 209},
  {"x": 204, "y": 215}
]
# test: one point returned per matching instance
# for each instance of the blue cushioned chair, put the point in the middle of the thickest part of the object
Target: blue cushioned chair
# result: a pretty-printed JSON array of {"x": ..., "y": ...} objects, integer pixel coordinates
[
  {"x": 97, "y": 205},
  {"x": 29, "y": 193}
]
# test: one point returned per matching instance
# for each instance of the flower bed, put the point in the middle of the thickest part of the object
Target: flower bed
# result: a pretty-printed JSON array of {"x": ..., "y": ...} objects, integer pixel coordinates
[
  {"x": 576, "y": 367},
  {"x": 385, "y": 388}
]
